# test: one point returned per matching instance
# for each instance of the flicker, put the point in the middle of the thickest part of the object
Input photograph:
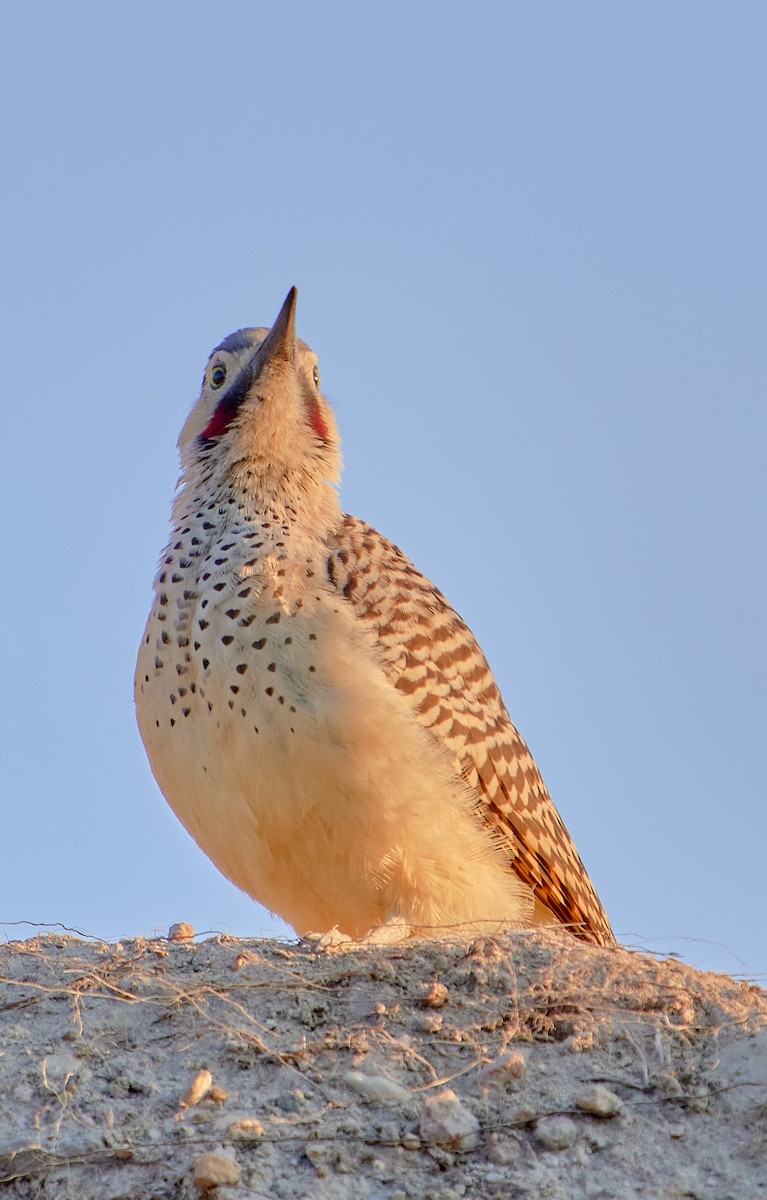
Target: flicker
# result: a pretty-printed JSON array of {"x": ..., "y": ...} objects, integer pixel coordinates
[{"x": 314, "y": 711}]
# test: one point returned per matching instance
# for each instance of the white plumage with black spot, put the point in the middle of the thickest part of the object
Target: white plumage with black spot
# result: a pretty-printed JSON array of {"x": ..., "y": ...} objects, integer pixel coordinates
[{"x": 314, "y": 711}]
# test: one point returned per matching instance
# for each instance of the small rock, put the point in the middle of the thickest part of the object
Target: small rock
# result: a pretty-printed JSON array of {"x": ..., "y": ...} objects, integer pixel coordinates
[
  {"x": 444, "y": 1160},
  {"x": 429, "y": 1023},
  {"x": 524, "y": 1115},
  {"x": 319, "y": 1155},
  {"x": 556, "y": 1133},
  {"x": 214, "y": 1169},
  {"x": 599, "y": 1101},
  {"x": 376, "y": 1087},
  {"x": 181, "y": 932},
  {"x": 436, "y": 996},
  {"x": 445, "y": 1122},
  {"x": 503, "y": 1150},
  {"x": 246, "y": 1130},
  {"x": 219, "y": 1094},
  {"x": 198, "y": 1089},
  {"x": 699, "y": 1102},
  {"x": 506, "y": 1068}
]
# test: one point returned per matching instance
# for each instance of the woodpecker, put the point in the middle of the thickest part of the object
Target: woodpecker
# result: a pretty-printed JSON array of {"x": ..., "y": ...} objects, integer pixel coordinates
[{"x": 314, "y": 711}]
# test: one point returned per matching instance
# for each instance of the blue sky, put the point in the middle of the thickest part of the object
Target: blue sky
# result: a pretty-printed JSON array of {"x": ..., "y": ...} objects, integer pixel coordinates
[{"x": 529, "y": 242}]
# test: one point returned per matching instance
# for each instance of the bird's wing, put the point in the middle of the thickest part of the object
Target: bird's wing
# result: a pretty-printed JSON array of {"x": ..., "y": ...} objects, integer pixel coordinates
[{"x": 433, "y": 659}]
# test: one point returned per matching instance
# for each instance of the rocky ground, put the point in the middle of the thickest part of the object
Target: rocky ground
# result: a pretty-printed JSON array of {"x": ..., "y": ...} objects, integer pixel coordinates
[{"x": 519, "y": 1066}]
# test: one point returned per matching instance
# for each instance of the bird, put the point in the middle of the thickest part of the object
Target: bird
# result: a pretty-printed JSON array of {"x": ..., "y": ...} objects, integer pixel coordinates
[{"x": 315, "y": 712}]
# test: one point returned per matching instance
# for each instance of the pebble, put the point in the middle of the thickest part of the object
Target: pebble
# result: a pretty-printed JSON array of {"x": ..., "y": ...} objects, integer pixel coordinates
[
  {"x": 214, "y": 1169},
  {"x": 181, "y": 932},
  {"x": 556, "y": 1133},
  {"x": 249, "y": 1129},
  {"x": 504, "y": 1069},
  {"x": 436, "y": 996},
  {"x": 446, "y": 1122},
  {"x": 376, "y": 1087},
  {"x": 503, "y": 1150},
  {"x": 599, "y": 1101},
  {"x": 198, "y": 1089}
]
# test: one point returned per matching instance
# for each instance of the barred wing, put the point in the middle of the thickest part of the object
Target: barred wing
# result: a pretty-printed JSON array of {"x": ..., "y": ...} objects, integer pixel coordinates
[{"x": 431, "y": 656}]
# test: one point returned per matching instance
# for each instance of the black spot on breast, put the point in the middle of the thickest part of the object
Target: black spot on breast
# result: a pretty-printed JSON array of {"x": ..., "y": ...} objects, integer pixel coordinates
[
  {"x": 259, "y": 645},
  {"x": 227, "y": 639},
  {"x": 242, "y": 668}
]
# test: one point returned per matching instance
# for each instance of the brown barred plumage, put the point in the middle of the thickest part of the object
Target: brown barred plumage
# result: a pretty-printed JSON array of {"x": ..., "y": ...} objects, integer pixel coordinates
[{"x": 433, "y": 658}]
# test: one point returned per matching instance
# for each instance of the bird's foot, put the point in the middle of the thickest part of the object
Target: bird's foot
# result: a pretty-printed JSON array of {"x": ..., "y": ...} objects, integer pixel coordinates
[
  {"x": 391, "y": 932},
  {"x": 329, "y": 940}
]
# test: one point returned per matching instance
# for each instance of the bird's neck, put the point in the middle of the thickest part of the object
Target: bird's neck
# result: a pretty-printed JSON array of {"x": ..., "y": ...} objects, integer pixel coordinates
[{"x": 305, "y": 508}]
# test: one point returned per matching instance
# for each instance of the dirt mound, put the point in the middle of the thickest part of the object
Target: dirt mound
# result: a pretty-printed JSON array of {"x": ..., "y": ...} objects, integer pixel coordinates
[{"x": 514, "y": 1066}]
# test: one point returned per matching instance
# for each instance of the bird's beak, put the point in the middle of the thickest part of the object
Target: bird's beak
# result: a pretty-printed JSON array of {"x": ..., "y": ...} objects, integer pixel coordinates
[{"x": 280, "y": 341}]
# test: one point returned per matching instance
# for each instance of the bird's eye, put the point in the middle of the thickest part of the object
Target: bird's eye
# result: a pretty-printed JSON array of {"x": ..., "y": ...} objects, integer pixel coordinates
[
  {"x": 217, "y": 375},
  {"x": 316, "y": 376}
]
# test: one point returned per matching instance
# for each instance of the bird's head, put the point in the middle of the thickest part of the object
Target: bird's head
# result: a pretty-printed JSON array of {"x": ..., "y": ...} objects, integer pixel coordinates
[{"x": 261, "y": 421}]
